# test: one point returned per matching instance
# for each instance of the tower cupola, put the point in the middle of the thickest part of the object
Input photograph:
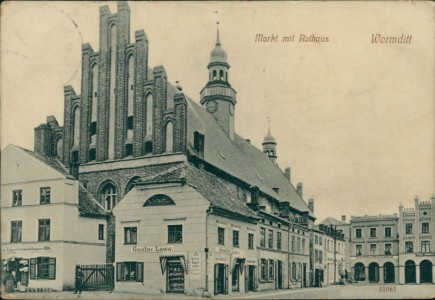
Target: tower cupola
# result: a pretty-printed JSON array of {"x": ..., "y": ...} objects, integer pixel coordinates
[
  {"x": 218, "y": 97},
  {"x": 269, "y": 146}
]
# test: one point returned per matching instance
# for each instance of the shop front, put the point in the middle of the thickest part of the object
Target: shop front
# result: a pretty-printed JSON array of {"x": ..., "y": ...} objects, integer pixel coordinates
[
  {"x": 250, "y": 275},
  {"x": 175, "y": 268}
]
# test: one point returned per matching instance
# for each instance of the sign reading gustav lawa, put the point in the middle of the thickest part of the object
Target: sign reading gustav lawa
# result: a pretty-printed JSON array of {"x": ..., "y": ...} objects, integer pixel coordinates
[
  {"x": 159, "y": 200},
  {"x": 152, "y": 249}
]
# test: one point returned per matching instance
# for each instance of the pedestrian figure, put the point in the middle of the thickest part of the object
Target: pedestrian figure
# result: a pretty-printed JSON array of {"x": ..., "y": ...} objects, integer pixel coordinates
[{"x": 79, "y": 281}]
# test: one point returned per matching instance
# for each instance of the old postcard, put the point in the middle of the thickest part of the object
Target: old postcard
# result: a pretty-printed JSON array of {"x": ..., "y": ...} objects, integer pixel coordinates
[{"x": 154, "y": 150}]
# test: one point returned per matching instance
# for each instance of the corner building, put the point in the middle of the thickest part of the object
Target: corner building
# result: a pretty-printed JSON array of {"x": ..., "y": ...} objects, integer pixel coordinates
[{"x": 191, "y": 205}]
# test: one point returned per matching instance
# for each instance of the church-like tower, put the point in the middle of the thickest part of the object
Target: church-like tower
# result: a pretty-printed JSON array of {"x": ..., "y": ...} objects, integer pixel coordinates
[
  {"x": 218, "y": 96},
  {"x": 269, "y": 146}
]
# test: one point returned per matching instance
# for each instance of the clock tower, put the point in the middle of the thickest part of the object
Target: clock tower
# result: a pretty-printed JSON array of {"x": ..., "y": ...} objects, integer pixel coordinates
[{"x": 218, "y": 97}]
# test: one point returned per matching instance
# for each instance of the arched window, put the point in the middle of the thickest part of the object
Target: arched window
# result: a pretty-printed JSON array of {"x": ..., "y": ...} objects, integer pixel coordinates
[
  {"x": 76, "y": 126},
  {"x": 111, "y": 113},
  {"x": 149, "y": 116},
  {"x": 221, "y": 75},
  {"x": 59, "y": 148},
  {"x": 214, "y": 74},
  {"x": 108, "y": 196},
  {"x": 169, "y": 145}
]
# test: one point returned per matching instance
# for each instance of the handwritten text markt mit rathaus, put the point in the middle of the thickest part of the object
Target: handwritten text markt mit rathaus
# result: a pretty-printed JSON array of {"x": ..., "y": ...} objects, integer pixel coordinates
[{"x": 273, "y": 38}]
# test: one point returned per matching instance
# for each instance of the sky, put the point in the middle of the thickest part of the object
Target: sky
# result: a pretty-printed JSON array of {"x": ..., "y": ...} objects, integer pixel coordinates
[{"x": 354, "y": 120}]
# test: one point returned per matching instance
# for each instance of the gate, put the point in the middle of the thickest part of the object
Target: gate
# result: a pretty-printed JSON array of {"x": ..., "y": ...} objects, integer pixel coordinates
[{"x": 97, "y": 277}]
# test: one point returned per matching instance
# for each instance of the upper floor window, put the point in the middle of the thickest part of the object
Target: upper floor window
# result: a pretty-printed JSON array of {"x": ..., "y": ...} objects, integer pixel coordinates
[
  {"x": 44, "y": 230},
  {"x": 175, "y": 234},
  {"x": 424, "y": 227},
  {"x": 235, "y": 238},
  {"x": 320, "y": 240},
  {"x": 16, "y": 231},
  {"x": 358, "y": 250},
  {"x": 221, "y": 236},
  {"x": 262, "y": 237},
  {"x": 17, "y": 197},
  {"x": 278, "y": 240},
  {"x": 358, "y": 232},
  {"x": 408, "y": 228},
  {"x": 303, "y": 246},
  {"x": 130, "y": 235},
  {"x": 214, "y": 75},
  {"x": 250, "y": 241},
  {"x": 373, "y": 249},
  {"x": 425, "y": 246},
  {"x": 108, "y": 197},
  {"x": 101, "y": 231},
  {"x": 372, "y": 232},
  {"x": 316, "y": 239},
  {"x": 44, "y": 195},
  {"x": 293, "y": 245},
  {"x": 221, "y": 75},
  {"x": 387, "y": 231},
  {"x": 409, "y": 247},
  {"x": 270, "y": 239},
  {"x": 387, "y": 249}
]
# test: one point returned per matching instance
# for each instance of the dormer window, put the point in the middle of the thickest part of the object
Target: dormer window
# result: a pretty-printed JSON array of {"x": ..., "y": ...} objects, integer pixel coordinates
[{"x": 198, "y": 143}]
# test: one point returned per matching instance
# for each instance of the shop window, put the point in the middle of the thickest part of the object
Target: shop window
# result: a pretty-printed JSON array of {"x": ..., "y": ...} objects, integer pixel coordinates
[
  {"x": 129, "y": 150},
  {"x": 358, "y": 232},
  {"x": 235, "y": 238},
  {"x": 270, "y": 239},
  {"x": 221, "y": 236},
  {"x": 408, "y": 228},
  {"x": 250, "y": 241},
  {"x": 101, "y": 231},
  {"x": 372, "y": 232},
  {"x": 175, "y": 234},
  {"x": 17, "y": 197},
  {"x": 16, "y": 231},
  {"x": 92, "y": 154},
  {"x": 44, "y": 230},
  {"x": 262, "y": 237},
  {"x": 387, "y": 231},
  {"x": 263, "y": 269},
  {"x": 425, "y": 246},
  {"x": 424, "y": 227},
  {"x": 44, "y": 195},
  {"x": 148, "y": 147},
  {"x": 271, "y": 267},
  {"x": 129, "y": 271},
  {"x": 130, "y": 235},
  {"x": 409, "y": 246},
  {"x": 43, "y": 268}
]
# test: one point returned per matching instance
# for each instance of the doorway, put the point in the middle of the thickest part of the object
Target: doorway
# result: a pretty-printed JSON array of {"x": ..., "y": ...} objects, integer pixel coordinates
[
  {"x": 220, "y": 279},
  {"x": 389, "y": 276},
  {"x": 250, "y": 279},
  {"x": 279, "y": 277},
  {"x": 373, "y": 272},
  {"x": 426, "y": 271},
  {"x": 409, "y": 271}
]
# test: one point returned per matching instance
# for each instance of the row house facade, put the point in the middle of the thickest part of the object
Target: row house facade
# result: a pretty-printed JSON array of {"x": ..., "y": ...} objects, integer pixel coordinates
[
  {"x": 50, "y": 222},
  {"x": 188, "y": 204}
]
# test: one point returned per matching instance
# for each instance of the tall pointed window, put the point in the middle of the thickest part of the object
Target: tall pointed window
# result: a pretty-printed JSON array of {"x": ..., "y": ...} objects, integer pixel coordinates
[
  {"x": 169, "y": 145},
  {"x": 130, "y": 97},
  {"x": 76, "y": 126},
  {"x": 94, "y": 105},
  {"x": 109, "y": 196},
  {"x": 149, "y": 116},
  {"x": 112, "y": 87}
]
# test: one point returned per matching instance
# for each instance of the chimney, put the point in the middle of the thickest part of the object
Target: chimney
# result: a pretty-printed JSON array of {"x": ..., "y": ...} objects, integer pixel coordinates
[
  {"x": 311, "y": 204},
  {"x": 343, "y": 218},
  {"x": 299, "y": 189},
  {"x": 287, "y": 173}
]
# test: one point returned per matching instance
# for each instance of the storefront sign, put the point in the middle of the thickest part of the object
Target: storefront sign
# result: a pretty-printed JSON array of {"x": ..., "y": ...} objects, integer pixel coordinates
[
  {"x": 238, "y": 252},
  {"x": 222, "y": 250},
  {"x": 195, "y": 266},
  {"x": 27, "y": 249},
  {"x": 424, "y": 254},
  {"x": 152, "y": 249}
]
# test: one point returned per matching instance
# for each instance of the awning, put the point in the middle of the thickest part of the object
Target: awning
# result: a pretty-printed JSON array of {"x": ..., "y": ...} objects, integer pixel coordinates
[
  {"x": 172, "y": 257},
  {"x": 241, "y": 262}
]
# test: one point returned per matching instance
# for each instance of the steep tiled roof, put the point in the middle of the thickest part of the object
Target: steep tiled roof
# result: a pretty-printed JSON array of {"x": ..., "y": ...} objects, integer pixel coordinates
[
  {"x": 331, "y": 221},
  {"x": 241, "y": 159},
  {"x": 208, "y": 185},
  {"x": 50, "y": 161},
  {"x": 88, "y": 206}
]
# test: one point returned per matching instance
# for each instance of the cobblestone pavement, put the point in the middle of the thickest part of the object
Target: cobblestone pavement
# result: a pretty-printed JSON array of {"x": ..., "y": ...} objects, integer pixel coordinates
[{"x": 372, "y": 291}]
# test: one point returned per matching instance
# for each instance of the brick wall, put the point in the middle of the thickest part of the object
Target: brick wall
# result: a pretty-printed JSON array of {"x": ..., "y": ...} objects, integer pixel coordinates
[{"x": 160, "y": 94}]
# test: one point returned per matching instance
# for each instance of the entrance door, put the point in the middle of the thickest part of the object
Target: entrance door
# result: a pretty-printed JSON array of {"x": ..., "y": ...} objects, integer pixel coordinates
[
  {"x": 317, "y": 278},
  {"x": 220, "y": 279},
  {"x": 250, "y": 278},
  {"x": 304, "y": 275},
  {"x": 389, "y": 276},
  {"x": 425, "y": 271},
  {"x": 235, "y": 278},
  {"x": 279, "y": 274},
  {"x": 409, "y": 271},
  {"x": 175, "y": 277},
  {"x": 373, "y": 272}
]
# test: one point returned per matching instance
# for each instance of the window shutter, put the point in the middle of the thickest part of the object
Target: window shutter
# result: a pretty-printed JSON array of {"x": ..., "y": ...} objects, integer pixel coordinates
[
  {"x": 139, "y": 271},
  {"x": 33, "y": 268},
  {"x": 52, "y": 268},
  {"x": 118, "y": 271}
]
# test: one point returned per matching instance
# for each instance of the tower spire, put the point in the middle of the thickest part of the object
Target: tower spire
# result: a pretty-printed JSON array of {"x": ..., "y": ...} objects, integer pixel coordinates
[{"x": 218, "y": 41}]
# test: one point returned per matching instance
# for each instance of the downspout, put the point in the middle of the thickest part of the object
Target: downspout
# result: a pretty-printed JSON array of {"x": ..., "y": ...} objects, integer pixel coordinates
[
  {"x": 208, "y": 212},
  {"x": 288, "y": 254}
]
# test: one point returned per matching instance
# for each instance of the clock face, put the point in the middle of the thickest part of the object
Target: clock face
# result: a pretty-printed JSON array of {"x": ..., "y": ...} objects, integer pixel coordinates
[
  {"x": 231, "y": 108},
  {"x": 211, "y": 106}
]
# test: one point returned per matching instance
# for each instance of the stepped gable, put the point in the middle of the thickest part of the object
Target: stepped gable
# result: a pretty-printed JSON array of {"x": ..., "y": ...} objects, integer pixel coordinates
[{"x": 240, "y": 159}]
